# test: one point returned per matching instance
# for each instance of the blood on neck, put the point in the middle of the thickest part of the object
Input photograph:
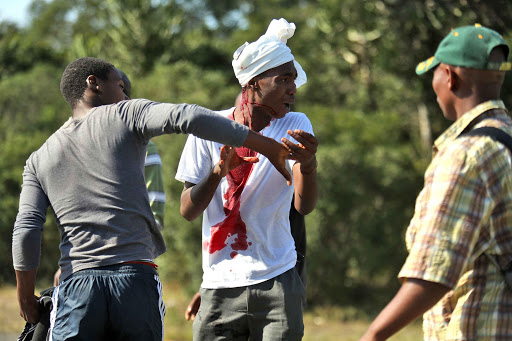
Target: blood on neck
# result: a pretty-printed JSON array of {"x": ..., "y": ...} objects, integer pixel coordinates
[{"x": 246, "y": 111}]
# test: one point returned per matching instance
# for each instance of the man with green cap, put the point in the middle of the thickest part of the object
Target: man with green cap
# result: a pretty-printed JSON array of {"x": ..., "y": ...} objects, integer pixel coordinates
[{"x": 460, "y": 236}]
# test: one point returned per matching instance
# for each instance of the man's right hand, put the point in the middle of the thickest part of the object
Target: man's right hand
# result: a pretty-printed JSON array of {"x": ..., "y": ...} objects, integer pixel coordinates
[
  {"x": 230, "y": 160},
  {"x": 28, "y": 302},
  {"x": 29, "y": 309},
  {"x": 193, "y": 307},
  {"x": 273, "y": 150}
]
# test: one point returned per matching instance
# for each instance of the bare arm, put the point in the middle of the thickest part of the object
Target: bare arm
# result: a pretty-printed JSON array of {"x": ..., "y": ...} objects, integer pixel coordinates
[
  {"x": 413, "y": 299},
  {"x": 276, "y": 152},
  {"x": 29, "y": 306},
  {"x": 304, "y": 171},
  {"x": 196, "y": 198}
]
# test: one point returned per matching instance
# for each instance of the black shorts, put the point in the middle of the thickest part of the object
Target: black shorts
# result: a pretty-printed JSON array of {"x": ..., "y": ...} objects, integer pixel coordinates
[{"x": 116, "y": 302}]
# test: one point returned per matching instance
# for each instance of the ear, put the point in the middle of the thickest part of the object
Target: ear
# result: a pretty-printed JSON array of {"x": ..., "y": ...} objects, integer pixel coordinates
[
  {"x": 92, "y": 83},
  {"x": 253, "y": 84},
  {"x": 452, "y": 78}
]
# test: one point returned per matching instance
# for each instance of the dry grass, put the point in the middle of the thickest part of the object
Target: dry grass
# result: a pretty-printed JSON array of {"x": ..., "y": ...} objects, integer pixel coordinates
[
  {"x": 321, "y": 324},
  {"x": 10, "y": 320}
]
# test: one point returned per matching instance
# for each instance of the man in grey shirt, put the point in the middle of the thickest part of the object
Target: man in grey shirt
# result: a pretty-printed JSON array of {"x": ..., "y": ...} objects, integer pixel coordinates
[{"x": 91, "y": 172}]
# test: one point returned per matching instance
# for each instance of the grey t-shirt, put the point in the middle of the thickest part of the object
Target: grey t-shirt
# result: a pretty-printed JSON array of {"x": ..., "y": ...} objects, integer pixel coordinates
[{"x": 91, "y": 172}]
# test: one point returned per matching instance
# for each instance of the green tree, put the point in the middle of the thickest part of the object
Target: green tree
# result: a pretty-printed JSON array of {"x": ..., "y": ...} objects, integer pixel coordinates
[{"x": 32, "y": 110}]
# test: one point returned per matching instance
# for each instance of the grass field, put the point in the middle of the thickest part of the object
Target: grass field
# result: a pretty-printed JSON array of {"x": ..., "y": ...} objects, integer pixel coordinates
[{"x": 321, "y": 324}]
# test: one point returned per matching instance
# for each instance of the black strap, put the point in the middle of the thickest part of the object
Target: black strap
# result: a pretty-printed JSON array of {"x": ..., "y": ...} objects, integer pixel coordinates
[
  {"x": 497, "y": 135},
  {"x": 494, "y": 133}
]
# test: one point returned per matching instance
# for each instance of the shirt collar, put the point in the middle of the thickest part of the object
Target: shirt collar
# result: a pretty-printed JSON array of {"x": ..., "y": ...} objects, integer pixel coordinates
[{"x": 464, "y": 121}]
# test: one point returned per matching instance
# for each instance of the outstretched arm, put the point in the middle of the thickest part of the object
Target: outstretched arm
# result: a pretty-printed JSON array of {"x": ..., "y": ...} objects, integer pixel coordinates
[
  {"x": 414, "y": 298},
  {"x": 154, "y": 119},
  {"x": 276, "y": 152}
]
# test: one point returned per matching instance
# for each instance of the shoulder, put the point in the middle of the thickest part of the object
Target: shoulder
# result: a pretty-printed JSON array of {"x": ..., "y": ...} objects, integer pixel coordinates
[
  {"x": 474, "y": 154},
  {"x": 295, "y": 115},
  {"x": 296, "y": 120},
  {"x": 130, "y": 106},
  {"x": 482, "y": 145},
  {"x": 298, "y": 117}
]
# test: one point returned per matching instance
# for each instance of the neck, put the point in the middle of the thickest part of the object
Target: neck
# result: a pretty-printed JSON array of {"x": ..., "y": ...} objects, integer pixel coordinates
[
  {"x": 81, "y": 109},
  {"x": 469, "y": 103},
  {"x": 476, "y": 87},
  {"x": 252, "y": 116}
]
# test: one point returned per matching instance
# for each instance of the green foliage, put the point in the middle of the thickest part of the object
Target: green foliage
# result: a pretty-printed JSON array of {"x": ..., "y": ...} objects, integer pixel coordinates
[
  {"x": 19, "y": 52},
  {"x": 185, "y": 82},
  {"x": 32, "y": 110},
  {"x": 362, "y": 214},
  {"x": 374, "y": 118}
]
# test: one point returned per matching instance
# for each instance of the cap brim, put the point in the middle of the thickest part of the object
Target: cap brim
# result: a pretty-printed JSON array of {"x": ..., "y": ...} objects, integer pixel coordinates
[{"x": 427, "y": 65}]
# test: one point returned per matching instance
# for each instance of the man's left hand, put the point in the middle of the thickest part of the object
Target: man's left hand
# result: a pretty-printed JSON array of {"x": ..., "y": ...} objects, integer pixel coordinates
[{"x": 304, "y": 152}]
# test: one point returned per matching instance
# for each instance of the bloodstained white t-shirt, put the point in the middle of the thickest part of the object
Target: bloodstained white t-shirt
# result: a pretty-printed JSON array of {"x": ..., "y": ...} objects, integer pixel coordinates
[{"x": 246, "y": 227}]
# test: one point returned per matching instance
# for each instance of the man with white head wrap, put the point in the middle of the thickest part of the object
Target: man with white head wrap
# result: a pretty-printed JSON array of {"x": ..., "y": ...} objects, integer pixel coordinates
[{"x": 250, "y": 287}]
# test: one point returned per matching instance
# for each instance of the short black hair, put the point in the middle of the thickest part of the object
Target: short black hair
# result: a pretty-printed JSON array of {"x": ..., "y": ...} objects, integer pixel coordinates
[{"x": 73, "y": 81}]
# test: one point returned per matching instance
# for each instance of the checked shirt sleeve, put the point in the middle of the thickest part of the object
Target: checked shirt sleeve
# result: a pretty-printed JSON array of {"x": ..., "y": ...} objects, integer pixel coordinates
[{"x": 448, "y": 217}]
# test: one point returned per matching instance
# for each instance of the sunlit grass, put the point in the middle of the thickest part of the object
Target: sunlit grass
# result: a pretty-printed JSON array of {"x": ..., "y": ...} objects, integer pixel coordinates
[
  {"x": 321, "y": 323},
  {"x": 10, "y": 320}
]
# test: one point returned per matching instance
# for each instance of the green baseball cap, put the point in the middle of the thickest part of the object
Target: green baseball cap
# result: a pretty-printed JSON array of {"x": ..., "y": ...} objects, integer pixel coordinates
[{"x": 468, "y": 46}]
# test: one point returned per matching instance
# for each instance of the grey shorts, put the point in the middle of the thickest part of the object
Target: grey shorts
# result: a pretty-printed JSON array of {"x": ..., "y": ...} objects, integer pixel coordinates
[
  {"x": 271, "y": 310},
  {"x": 117, "y": 302}
]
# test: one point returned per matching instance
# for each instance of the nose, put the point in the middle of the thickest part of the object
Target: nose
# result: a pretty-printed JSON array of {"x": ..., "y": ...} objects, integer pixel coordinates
[{"x": 293, "y": 88}]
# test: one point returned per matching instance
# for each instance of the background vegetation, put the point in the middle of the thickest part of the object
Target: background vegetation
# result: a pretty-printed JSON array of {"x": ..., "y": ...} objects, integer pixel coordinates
[{"x": 375, "y": 119}]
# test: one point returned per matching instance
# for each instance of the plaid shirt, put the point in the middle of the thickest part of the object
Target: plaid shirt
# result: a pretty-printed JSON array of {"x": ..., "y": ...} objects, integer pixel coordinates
[{"x": 464, "y": 210}]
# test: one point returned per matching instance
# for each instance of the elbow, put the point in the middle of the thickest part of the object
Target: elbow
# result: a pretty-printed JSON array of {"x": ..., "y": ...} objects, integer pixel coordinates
[
  {"x": 189, "y": 216},
  {"x": 305, "y": 210},
  {"x": 305, "y": 207}
]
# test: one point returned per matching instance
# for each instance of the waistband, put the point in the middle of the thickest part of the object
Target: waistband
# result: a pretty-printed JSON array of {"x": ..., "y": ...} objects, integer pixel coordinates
[
  {"x": 142, "y": 262},
  {"x": 118, "y": 268}
]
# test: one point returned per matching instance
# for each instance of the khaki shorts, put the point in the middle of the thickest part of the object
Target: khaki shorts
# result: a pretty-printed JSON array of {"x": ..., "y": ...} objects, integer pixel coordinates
[{"x": 271, "y": 310}]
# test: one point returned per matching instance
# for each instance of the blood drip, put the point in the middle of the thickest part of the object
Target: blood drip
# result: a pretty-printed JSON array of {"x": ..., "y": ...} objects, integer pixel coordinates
[{"x": 233, "y": 224}]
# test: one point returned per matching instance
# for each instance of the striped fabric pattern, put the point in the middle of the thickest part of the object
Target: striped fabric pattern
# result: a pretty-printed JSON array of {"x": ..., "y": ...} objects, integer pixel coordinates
[
  {"x": 154, "y": 183},
  {"x": 464, "y": 210},
  {"x": 161, "y": 304},
  {"x": 53, "y": 313}
]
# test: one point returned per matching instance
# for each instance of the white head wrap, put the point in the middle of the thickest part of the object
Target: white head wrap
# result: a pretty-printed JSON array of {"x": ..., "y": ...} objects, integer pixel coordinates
[{"x": 268, "y": 52}]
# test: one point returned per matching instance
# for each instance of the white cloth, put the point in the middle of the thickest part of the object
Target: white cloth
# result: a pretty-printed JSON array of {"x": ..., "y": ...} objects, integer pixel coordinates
[
  {"x": 268, "y": 52},
  {"x": 265, "y": 206}
]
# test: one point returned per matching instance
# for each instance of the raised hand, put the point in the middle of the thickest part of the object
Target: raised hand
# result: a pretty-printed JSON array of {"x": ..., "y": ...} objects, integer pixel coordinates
[
  {"x": 305, "y": 151},
  {"x": 230, "y": 160}
]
